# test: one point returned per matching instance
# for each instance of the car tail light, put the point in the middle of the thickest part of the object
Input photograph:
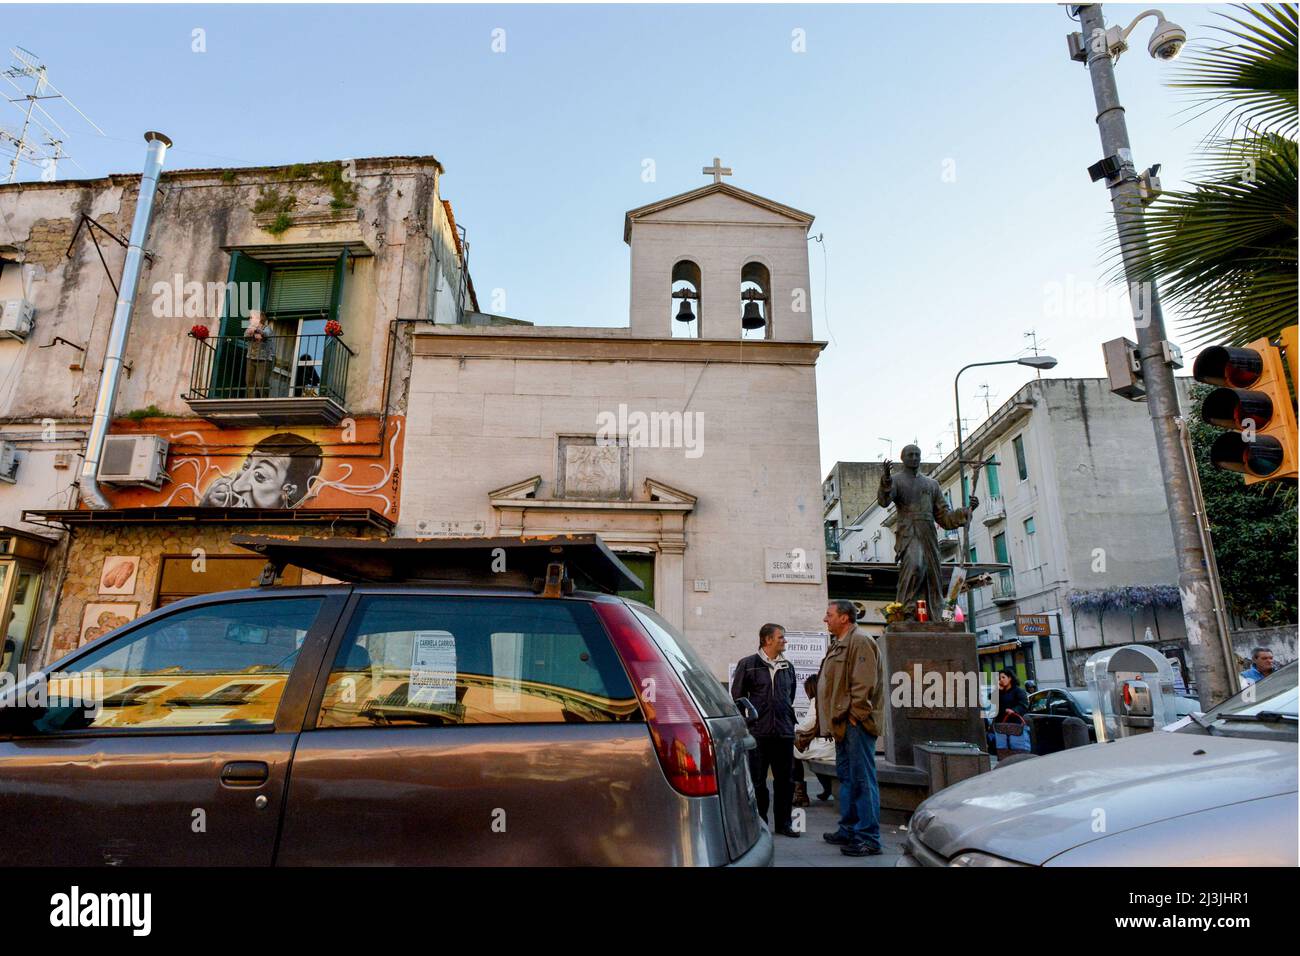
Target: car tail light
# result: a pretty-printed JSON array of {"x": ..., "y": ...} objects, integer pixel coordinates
[{"x": 677, "y": 728}]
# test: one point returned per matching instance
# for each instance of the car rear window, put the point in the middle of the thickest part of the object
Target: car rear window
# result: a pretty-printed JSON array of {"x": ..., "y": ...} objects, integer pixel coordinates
[
  {"x": 709, "y": 693},
  {"x": 422, "y": 660}
]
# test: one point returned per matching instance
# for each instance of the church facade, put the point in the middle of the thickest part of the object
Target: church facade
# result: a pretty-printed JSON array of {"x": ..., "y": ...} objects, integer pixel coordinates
[{"x": 688, "y": 439}]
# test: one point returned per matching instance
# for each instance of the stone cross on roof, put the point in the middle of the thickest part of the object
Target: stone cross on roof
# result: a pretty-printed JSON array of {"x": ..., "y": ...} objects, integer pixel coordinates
[{"x": 717, "y": 170}]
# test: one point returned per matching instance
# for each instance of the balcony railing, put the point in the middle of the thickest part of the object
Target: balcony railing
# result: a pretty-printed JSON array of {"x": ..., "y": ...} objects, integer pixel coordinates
[
  {"x": 992, "y": 509},
  {"x": 1004, "y": 587},
  {"x": 303, "y": 379}
]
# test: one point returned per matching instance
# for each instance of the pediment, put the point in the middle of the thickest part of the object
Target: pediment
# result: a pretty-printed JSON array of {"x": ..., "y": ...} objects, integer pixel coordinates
[
  {"x": 714, "y": 203},
  {"x": 522, "y": 490},
  {"x": 658, "y": 496},
  {"x": 658, "y": 491}
]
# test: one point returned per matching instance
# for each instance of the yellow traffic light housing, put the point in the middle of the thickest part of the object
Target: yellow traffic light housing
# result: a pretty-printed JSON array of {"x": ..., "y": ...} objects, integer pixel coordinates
[{"x": 1254, "y": 399}]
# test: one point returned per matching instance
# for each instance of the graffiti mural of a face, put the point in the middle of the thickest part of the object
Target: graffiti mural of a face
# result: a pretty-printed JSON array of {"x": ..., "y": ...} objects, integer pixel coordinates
[{"x": 276, "y": 474}]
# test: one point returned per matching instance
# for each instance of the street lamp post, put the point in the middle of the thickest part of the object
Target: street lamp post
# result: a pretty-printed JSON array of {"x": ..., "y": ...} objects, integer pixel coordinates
[
  {"x": 1039, "y": 362},
  {"x": 1098, "y": 48}
]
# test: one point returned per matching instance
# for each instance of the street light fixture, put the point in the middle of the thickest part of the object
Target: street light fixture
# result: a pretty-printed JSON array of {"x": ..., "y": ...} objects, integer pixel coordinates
[
  {"x": 1096, "y": 47},
  {"x": 1040, "y": 362}
]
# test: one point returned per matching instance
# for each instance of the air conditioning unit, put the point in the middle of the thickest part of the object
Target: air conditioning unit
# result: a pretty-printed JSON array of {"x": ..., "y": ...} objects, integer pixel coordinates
[
  {"x": 134, "y": 460},
  {"x": 16, "y": 319},
  {"x": 8, "y": 462}
]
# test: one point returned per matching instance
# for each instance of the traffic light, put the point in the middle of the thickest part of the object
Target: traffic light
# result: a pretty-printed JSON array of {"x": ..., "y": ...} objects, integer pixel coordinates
[{"x": 1255, "y": 401}]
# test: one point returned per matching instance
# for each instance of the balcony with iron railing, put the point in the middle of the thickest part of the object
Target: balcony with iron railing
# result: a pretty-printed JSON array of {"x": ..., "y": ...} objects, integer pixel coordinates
[
  {"x": 301, "y": 381},
  {"x": 1004, "y": 588}
]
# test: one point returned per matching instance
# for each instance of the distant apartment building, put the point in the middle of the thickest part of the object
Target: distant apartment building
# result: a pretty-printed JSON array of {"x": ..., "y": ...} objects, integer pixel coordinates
[
  {"x": 1072, "y": 509},
  {"x": 846, "y": 491}
]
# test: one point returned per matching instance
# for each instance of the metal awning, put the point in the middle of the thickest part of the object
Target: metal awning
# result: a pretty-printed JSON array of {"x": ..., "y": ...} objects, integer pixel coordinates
[
  {"x": 999, "y": 648},
  {"x": 108, "y": 516},
  {"x": 514, "y": 561}
]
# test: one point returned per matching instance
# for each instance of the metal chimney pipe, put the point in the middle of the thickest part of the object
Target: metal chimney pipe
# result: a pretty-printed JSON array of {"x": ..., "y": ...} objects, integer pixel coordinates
[{"x": 106, "y": 398}]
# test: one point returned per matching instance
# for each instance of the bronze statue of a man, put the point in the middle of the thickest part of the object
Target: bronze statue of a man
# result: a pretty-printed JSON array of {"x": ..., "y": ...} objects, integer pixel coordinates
[{"x": 920, "y": 506}]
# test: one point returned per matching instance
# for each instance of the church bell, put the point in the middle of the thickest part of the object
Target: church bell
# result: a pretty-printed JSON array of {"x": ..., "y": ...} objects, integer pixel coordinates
[
  {"x": 684, "y": 314},
  {"x": 751, "y": 318}
]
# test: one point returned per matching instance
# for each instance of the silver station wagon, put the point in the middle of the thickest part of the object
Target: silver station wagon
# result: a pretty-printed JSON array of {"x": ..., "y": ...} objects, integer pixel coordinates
[{"x": 1213, "y": 789}]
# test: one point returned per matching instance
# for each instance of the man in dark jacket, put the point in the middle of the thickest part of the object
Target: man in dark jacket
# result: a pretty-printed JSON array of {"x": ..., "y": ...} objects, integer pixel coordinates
[{"x": 768, "y": 680}]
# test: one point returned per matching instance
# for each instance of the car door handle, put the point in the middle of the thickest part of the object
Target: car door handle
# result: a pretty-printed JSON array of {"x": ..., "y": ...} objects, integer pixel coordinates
[{"x": 245, "y": 773}]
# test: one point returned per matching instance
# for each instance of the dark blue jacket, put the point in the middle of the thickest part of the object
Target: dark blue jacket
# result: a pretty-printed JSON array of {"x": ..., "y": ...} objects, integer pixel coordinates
[{"x": 775, "y": 706}]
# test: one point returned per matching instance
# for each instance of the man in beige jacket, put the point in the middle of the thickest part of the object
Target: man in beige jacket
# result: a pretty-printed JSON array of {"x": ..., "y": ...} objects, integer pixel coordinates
[{"x": 850, "y": 708}]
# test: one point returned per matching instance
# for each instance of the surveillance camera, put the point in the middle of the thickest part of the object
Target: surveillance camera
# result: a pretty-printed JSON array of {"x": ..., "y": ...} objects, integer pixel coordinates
[{"x": 1167, "y": 41}]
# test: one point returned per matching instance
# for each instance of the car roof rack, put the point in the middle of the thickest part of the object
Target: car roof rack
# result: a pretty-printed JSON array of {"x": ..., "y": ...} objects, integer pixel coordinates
[{"x": 551, "y": 565}]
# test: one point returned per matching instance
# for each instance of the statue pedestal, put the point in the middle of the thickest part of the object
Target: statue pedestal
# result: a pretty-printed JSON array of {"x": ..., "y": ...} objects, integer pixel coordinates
[{"x": 931, "y": 688}]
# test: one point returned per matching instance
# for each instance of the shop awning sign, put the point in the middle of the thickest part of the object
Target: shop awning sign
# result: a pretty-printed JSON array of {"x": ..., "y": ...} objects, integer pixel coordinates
[{"x": 1033, "y": 625}]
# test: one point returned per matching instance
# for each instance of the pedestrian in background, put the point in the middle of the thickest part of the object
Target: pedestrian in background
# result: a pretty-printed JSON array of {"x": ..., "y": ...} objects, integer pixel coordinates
[
  {"x": 850, "y": 708},
  {"x": 1261, "y": 665},
  {"x": 809, "y": 747},
  {"x": 1013, "y": 702},
  {"x": 767, "y": 679}
]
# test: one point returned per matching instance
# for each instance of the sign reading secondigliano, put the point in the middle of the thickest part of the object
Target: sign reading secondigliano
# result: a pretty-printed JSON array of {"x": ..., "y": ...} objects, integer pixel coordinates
[{"x": 793, "y": 566}]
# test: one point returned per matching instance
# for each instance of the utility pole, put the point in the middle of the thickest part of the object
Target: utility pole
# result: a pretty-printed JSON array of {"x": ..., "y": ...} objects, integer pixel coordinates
[{"x": 1213, "y": 680}]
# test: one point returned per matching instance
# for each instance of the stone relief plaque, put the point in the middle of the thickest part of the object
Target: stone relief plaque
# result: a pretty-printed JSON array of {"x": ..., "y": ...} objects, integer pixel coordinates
[{"x": 591, "y": 470}]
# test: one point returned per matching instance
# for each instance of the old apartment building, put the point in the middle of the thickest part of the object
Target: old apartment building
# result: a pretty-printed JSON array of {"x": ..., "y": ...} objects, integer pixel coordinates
[{"x": 209, "y": 435}]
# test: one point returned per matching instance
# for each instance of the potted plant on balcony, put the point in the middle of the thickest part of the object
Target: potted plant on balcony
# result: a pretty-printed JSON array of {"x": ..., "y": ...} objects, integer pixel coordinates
[
  {"x": 333, "y": 329},
  {"x": 199, "y": 332}
]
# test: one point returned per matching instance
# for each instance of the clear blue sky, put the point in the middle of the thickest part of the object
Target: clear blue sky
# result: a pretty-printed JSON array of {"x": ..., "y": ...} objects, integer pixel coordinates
[{"x": 543, "y": 147}]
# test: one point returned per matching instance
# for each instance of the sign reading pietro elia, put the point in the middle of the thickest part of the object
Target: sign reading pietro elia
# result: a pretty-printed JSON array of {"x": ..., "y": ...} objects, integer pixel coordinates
[
  {"x": 793, "y": 566},
  {"x": 1033, "y": 625}
]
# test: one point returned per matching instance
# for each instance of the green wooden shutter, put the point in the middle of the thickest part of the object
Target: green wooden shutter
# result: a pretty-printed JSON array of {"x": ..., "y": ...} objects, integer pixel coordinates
[
  {"x": 251, "y": 276},
  {"x": 333, "y": 374},
  {"x": 299, "y": 289},
  {"x": 246, "y": 285},
  {"x": 995, "y": 486}
]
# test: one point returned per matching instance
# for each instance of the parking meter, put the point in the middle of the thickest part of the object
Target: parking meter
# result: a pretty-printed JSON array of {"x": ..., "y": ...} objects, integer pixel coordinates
[{"x": 1132, "y": 690}]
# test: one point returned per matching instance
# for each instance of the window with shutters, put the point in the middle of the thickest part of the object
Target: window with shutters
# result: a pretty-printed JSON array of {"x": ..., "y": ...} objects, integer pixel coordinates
[{"x": 301, "y": 353}]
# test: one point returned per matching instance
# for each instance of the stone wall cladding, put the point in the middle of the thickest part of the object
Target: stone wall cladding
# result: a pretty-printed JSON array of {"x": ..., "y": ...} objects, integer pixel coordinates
[{"x": 150, "y": 542}]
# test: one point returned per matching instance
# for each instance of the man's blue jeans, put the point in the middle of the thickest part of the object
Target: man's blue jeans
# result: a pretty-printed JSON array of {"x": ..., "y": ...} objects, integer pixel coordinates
[{"x": 855, "y": 765}]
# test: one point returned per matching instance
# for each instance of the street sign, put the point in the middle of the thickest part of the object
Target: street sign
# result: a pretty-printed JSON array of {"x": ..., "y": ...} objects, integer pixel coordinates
[{"x": 1033, "y": 625}]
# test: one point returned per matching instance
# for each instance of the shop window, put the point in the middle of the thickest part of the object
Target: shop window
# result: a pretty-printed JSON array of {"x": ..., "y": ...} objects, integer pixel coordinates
[{"x": 22, "y": 571}]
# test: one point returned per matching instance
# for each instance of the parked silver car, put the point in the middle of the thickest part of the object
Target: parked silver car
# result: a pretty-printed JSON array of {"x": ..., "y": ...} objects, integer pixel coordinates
[{"x": 1214, "y": 789}]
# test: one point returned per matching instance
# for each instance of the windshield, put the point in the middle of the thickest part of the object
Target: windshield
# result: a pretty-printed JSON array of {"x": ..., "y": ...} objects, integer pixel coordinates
[
  {"x": 1276, "y": 694},
  {"x": 1082, "y": 699}
]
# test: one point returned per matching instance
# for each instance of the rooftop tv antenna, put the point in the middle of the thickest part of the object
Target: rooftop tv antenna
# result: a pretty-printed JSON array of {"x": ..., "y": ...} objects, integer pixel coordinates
[
  {"x": 1035, "y": 346},
  {"x": 26, "y": 66}
]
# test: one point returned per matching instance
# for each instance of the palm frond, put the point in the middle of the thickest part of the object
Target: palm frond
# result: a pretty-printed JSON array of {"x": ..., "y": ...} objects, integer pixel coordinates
[
  {"x": 1251, "y": 78},
  {"x": 1224, "y": 251}
]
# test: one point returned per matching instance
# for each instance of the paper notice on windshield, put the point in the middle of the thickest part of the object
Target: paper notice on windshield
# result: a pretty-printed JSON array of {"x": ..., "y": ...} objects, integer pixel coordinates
[{"x": 433, "y": 669}]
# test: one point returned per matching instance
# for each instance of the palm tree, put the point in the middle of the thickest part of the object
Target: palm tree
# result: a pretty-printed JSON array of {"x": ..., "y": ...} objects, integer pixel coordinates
[{"x": 1224, "y": 250}]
